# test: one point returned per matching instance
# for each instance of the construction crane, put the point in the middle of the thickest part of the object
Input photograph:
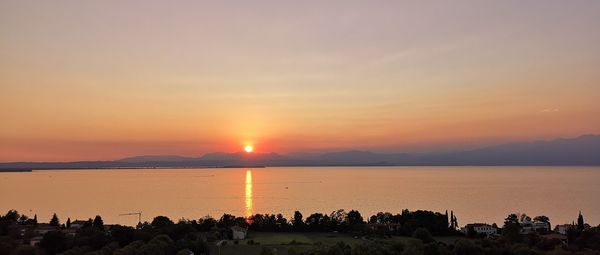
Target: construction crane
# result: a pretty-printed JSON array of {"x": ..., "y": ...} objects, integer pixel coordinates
[{"x": 139, "y": 214}]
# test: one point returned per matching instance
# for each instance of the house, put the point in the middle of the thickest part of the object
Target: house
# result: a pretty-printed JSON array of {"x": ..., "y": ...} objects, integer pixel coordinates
[
  {"x": 528, "y": 227},
  {"x": 35, "y": 240},
  {"x": 43, "y": 228},
  {"x": 384, "y": 227},
  {"x": 563, "y": 229},
  {"x": 238, "y": 233},
  {"x": 70, "y": 231},
  {"x": 19, "y": 230},
  {"x": 479, "y": 229},
  {"x": 78, "y": 224}
]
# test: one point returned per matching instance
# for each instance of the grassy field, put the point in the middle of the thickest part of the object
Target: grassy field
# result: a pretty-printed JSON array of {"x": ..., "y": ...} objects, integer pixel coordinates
[
  {"x": 448, "y": 239},
  {"x": 282, "y": 242},
  {"x": 268, "y": 238}
]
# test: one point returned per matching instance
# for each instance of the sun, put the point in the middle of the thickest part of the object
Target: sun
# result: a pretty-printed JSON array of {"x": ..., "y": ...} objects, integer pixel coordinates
[{"x": 248, "y": 148}]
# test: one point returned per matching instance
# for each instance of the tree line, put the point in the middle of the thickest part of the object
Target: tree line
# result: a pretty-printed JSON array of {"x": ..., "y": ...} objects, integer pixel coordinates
[{"x": 164, "y": 236}]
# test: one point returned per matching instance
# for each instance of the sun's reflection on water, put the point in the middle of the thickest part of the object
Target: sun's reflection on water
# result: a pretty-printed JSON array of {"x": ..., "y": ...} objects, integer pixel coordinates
[{"x": 248, "y": 194}]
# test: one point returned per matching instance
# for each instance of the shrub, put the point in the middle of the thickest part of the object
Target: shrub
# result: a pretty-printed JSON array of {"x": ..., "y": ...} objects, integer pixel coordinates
[{"x": 423, "y": 235}]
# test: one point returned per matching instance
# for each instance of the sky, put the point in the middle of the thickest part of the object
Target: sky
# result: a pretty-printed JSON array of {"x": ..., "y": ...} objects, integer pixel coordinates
[{"x": 86, "y": 80}]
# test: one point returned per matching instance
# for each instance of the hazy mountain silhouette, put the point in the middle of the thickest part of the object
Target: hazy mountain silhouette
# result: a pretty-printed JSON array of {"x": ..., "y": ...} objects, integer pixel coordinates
[
  {"x": 156, "y": 158},
  {"x": 583, "y": 150}
]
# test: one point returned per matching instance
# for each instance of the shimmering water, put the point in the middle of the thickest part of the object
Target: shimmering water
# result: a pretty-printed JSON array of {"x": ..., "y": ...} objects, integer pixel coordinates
[{"x": 476, "y": 194}]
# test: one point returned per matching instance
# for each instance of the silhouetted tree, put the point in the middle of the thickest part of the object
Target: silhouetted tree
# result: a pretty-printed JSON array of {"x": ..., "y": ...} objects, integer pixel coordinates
[
  {"x": 268, "y": 222},
  {"x": 512, "y": 219},
  {"x": 12, "y": 215},
  {"x": 54, "y": 221},
  {"x": 384, "y": 218},
  {"x": 206, "y": 223},
  {"x": 161, "y": 221},
  {"x": 92, "y": 237},
  {"x": 23, "y": 219},
  {"x": 53, "y": 242},
  {"x": 545, "y": 219},
  {"x": 88, "y": 223},
  {"x": 122, "y": 234},
  {"x": 160, "y": 244},
  {"x": 580, "y": 222},
  {"x": 240, "y": 221},
  {"x": 297, "y": 221},
  {"x": 338, "y": 219},
  {"x": 355, "y": 218},
  {"x": 447, "y": 219},
  {"x": 511, "y": 231},
  {"x": 68, "y": 225},
  {"x": 423, "y": 235},
  {"x": 98, "y": 223},
  {"x": 453, "y": 221},
  {"x": 281, "y": 222},
  {"x": 524, "y": 217},
  {"x": 35, "y": 221},
  {"x": 226, "y": 221},
  {"x": 315, "y": 222}
]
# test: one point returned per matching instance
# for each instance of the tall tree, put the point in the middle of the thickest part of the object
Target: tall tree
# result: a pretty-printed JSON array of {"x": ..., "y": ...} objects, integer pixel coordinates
[
  {"x": 68, "y": 225},
  {"x": 580, "y": 222},
  {"x": 281, "y": 222},
  {"x": 315, "y": 222},
  {"x": 447, "y": 219},
  {"x": 453, "y": 221},
  {"x": 297, "y": 221},
  {"x": 511, "y": 231},
  {"x": 35, "y": 219},
  {"x": 53, "y": 242},
  {"x": 524, "y": 217},
  {"x": 54, "y": 221},
  {"x": 12, "y": 215},
  {"x": 98, "y": 222},
  {"x": 512, "y": 219},
  {"x": 354, "y": 218}
]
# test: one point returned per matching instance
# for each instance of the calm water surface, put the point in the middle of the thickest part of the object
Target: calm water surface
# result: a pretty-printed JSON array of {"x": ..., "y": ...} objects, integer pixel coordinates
[{"x": 476, "y": 194}]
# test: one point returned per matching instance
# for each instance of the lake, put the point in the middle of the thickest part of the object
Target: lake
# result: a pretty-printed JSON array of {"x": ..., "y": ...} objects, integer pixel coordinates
[{"x": 476, "y": 194}]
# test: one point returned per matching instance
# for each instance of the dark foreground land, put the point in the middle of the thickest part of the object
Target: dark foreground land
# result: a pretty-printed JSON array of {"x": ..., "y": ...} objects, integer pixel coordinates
[{"x": 341, "y": 232}]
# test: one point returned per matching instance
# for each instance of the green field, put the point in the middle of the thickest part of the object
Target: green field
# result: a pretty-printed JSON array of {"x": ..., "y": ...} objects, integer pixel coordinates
[
  {"x": 269, "y": 238},
  {"x": 282, "y": 242}
]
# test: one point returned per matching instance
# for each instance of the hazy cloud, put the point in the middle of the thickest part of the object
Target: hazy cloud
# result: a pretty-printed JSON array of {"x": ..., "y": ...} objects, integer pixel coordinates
[{"x": 551, "y": 110}]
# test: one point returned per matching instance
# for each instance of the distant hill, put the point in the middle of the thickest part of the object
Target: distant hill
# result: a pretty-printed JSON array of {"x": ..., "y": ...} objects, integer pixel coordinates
[
  {"x": 156, "y": 158},
  {"x": 583, "y": 150}
]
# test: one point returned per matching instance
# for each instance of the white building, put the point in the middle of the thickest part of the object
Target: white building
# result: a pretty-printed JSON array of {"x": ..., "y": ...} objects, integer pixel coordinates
[
  {"x": 238, "y": 233},
  {"x": 479, "y": 228},
  {"x": 78, "y": 224},
  {"x": 563, "y": 229},
  {"x": 529, "y": 226}
]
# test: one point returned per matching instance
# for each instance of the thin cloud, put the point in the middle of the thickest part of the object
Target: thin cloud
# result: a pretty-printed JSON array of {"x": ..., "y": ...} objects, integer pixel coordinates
[{"x": 549, "y": 110}]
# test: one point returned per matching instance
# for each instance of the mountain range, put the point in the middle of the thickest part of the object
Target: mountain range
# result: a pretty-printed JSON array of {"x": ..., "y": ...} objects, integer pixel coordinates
[{"x": 582, "y": 150}]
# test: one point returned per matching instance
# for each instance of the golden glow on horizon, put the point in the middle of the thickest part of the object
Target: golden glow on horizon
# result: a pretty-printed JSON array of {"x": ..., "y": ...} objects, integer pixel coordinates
[
  {"x": 248, "y": 193},
  {"x": 459, "y": 84},
  {"x": 248, "y": 148}
]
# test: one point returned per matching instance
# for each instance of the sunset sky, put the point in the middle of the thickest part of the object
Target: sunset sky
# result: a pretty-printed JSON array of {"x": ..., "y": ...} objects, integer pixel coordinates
[{"x": 86, "y": 80}]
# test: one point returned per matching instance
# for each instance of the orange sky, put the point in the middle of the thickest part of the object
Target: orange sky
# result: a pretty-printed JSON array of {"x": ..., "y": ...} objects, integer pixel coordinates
[{"x": 83, "y": 80}]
